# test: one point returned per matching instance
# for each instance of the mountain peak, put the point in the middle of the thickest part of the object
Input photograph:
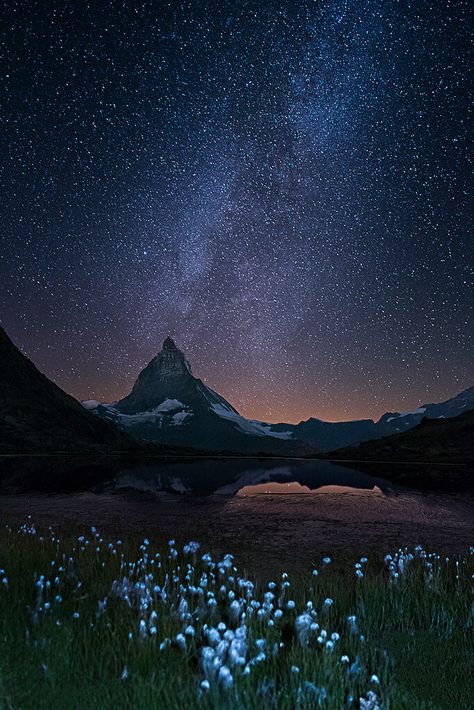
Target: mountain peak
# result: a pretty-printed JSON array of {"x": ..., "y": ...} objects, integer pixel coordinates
[{"x": 169, "y": 344}]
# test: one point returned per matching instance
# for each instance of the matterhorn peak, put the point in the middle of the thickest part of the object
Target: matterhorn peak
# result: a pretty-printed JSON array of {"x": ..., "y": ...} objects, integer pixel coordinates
[
  {"x": 168, "y": 404},
  {"x": 169, "y": 344}
]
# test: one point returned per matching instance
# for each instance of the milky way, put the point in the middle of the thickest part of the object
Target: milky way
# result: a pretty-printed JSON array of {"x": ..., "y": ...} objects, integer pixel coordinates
[{"x": 281, "y": 186}]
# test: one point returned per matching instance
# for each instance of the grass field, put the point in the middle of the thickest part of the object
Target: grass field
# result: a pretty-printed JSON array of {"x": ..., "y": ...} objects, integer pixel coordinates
[{"x": 96, "y": 623}]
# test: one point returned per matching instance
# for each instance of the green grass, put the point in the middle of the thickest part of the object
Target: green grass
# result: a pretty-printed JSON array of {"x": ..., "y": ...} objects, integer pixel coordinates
[{"x": 414, "y": 632}]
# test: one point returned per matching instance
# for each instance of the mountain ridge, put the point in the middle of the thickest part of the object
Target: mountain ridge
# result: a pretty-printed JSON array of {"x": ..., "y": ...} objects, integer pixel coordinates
[
  {"x": 447, "y": 439},
  {"x": 168, "y": 404},
  {"x": 329, "y": 436},
  {"x": 38, "y": 416}
]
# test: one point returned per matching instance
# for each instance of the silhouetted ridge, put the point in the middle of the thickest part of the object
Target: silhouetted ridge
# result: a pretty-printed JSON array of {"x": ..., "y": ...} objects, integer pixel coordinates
[{"x": 36, "y": 415}]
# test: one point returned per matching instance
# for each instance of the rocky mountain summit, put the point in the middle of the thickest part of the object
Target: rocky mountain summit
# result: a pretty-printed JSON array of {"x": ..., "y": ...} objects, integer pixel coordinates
[{"x": 168, "y": 404}]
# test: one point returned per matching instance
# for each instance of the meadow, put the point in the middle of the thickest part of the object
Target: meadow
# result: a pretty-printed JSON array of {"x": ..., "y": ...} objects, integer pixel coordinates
[{"x": 91, "y": 622}]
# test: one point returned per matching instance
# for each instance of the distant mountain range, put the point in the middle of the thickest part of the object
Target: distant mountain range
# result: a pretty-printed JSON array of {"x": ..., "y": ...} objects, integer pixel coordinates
[
  {"x": 438, "y": 440},
  {"x": 329, "y": 436},
  {"x": 173, "y": 412},
  {"x": 169, "y": 405},
  {"x": 37, "y": 416}
]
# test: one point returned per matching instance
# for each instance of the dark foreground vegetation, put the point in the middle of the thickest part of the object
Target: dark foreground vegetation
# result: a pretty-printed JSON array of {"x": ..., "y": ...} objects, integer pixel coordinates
[{"x": 88, "y": 622}]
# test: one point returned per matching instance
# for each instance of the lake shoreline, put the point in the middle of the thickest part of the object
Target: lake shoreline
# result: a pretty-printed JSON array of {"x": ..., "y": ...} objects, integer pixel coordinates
[{"x": 265, "y": 532}]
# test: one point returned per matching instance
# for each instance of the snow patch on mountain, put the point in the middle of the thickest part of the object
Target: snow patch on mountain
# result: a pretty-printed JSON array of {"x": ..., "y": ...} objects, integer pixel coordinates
[
  {"x": 90, "y": 404},
  {"x": 169, "y": 405},
  {"x": 163, "y": 412},
  {"x": 250, "y": 426},
  {"x": 420, "y": 410},
  {"x": 244, "y": 424},
  {"x": 267, "y": 430},
  {"x": 178, "y": 418}
]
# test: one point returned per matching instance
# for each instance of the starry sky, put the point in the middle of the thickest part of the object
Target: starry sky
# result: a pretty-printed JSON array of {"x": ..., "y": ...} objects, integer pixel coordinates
[{"x": 281, "y": 186}]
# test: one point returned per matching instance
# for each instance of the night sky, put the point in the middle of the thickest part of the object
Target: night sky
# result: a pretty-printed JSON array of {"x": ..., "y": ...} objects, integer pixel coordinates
[{"x": 280, "y": 186}]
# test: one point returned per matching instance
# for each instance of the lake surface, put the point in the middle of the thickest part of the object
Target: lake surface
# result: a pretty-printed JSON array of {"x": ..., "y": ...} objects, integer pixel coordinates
[
  {"x": 243, "y": 477},
  {"x": 269, "y": 512},
  {"x": 185, "y": 477}
]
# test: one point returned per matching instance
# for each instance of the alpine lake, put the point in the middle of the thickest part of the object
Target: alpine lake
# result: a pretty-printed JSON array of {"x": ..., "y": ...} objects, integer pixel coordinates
[{"x": 271, "y": 513}]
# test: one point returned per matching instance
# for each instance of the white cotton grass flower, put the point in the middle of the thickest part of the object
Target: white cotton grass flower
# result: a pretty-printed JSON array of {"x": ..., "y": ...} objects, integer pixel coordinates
[
  {"x": 327, "y": 560},
  {"x": 344, "y": 659},
  {"x": 207, "y": 661},
  {"x": 226, "y": 679},
  {"x": 181, "y": 641},
  {"x": 328, "y": 603},
  {"x": 352, "y": 621},
  {"x": 295, "y": 669},
  {"x": 235, "y": 610},
  {"x": 303, "y": 624},
  {"x": 192, "y": 548},
  {"x": 370, "y": 702},
  {"x": 213, "y": 636},
  {"x": 238, "y": 648},
  {"x": 205, "y": 685}
]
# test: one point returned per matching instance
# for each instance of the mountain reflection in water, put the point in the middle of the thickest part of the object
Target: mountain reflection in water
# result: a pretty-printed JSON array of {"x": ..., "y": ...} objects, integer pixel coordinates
[
  {"x": 233, "y": 477},
  {"x": 295, "y": 488},
  {"x": 194, "y": 477}
]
